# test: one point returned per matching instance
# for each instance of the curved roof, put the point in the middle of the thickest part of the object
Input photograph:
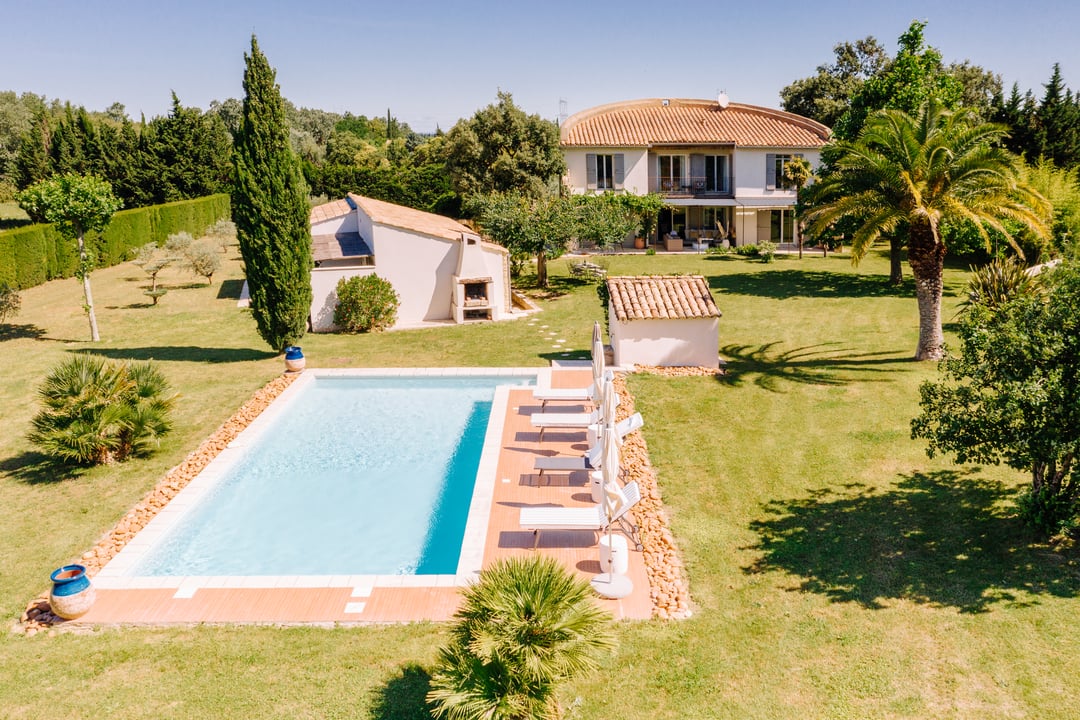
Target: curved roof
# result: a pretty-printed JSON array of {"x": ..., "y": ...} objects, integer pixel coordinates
[{"x": 657, "y": 121}]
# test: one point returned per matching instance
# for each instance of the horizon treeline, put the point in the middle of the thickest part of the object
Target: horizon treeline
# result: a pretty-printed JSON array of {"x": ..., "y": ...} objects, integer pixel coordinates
[{"x": 188, "y": 152}]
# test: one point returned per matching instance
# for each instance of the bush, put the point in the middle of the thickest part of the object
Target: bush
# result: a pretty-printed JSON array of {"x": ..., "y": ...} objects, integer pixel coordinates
[
  {"x": 366, "y": 303},
  {"x": 204, "y": 259},
  {"x": 766, "y": 250},
  {"x": 527, "y": 626},
  {"x": 10, "y": 302},
  {"x": 179, "y": 243},
  {"x": 650, "y": 251},
  {"x": 33, "y": 254},
  {"x": 746, "y": 250},
  {"x": 1047, "y": 512},
  {"x": 98, "y": 412},
  {"x": 998, "y": 282}
]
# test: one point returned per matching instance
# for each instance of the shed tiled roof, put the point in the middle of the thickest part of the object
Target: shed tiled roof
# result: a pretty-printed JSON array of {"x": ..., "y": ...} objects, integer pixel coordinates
[
  {"x": 661, "y": 297},
  {"x": 644, "y": 123}
]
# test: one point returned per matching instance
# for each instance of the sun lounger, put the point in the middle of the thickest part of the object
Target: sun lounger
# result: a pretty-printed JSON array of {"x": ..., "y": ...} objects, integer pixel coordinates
[
  {"x": 593, "y": 518},
  {"x": 578, "y": 421},
  {"x": 591, "y": 459},
  {"x": 546, "y": 395}
]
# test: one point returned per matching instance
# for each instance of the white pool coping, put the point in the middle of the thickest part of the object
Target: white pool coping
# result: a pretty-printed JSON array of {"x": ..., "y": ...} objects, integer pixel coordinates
[{"x": 114, "y": 576}]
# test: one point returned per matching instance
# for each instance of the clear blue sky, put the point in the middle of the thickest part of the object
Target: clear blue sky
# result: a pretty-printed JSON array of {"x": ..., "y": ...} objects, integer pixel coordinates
[{"x": 432, "y": 63}]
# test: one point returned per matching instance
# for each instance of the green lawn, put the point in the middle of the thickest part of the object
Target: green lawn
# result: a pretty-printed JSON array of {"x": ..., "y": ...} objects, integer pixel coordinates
[{"x": 837, "y": 573}]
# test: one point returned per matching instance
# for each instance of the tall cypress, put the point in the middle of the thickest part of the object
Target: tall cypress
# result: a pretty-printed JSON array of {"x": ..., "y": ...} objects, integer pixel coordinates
[{"x": 269, "y": 205}]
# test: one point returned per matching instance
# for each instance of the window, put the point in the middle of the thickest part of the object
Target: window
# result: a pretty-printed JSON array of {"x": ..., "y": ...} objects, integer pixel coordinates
[
  {"x": 604, "y": 172},
  {"x": 774, "y": 172},
  {"x": 782, "y": 226},
  {"x": 715, "y": 218},
  {"x": 716, "y": 173},
  {"x": 670, "y": 172}
]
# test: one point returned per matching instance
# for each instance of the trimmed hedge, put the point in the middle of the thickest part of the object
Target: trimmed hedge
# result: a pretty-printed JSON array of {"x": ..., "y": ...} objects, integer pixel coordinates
[{"x": 33, "y": 254}]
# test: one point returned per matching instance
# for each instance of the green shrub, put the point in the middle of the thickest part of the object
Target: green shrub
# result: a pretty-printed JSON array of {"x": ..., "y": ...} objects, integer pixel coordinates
[
  {"x": 1046, "y": 512},
  {"x": 97, "y": 411},
  {"x": 10, "y": 302},
  {"x": 33, "y": 254},
  {"x": 766, "y": 250},
  {"x": 525, "y": 627},
  {"x": 718, "y": 250},
  {"x": 998, "y": 282},
  {"x": 650, "y": 251},
  {"x": 746, "y": 250},
  {"x": 366, "y": 303}
]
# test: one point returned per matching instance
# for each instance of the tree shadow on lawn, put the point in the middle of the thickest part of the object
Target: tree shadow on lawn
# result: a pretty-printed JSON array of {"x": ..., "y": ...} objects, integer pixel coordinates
[
  {"x": 20, "y": 332},
  {"x": 783, "y": 284},
  {"x": 190, "y": 353},
  {"x": 940, "y": 538},
  {"x": 765, "y": 366},
  {"x": 34, "y": 468},
  {"x": 404, "y": 697}
]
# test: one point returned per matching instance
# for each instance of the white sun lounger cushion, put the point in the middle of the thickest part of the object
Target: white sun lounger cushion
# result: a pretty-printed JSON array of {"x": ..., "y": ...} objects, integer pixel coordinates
[{"x": 583, "y": 518}]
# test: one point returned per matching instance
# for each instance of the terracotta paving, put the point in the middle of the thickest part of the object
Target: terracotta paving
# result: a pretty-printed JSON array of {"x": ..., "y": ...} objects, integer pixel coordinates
[{"x": 516, "y": 486}]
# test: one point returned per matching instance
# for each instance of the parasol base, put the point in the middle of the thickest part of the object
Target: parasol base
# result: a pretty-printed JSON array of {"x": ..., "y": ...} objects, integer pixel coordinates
[{"x": 612, "y": 585}]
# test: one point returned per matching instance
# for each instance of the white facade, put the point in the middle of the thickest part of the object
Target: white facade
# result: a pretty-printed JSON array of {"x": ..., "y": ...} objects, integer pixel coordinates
[
  {"x": 420, "y": 262},
  {"x": 678, "y": 342},
  {"x": 715, "y": 163}
]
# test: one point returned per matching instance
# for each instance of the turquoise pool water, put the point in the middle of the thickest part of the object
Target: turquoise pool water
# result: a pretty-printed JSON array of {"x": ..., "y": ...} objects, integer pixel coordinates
[{"x": 357, "y": 475}]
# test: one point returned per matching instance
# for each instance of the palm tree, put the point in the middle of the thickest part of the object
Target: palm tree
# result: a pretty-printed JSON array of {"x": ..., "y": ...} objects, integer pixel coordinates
[
  {"x": 96, "y": 412},
  {"x": 527, "y": 625},
  {"x": 906, "y": 175}
]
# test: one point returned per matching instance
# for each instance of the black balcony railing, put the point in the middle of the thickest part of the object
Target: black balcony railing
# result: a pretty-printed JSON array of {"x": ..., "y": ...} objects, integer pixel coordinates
[{"x": 698, "y": 187}]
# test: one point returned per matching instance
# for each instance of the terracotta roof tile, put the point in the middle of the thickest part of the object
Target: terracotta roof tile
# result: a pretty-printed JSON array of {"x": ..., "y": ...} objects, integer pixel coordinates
[
  {"x": 407, "y": 218},
  {"x": 330, "y": 210},
  {"x": 661, "y": 297},
  {"x": 644, "y": 123}
]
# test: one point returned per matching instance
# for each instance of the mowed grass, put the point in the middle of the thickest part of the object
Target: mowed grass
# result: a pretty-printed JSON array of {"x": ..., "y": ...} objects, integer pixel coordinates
[{"x": 836, "y": 571}]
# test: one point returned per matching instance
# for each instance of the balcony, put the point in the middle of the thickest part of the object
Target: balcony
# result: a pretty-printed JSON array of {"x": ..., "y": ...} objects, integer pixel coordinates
[{"x": 694, "y": 187}]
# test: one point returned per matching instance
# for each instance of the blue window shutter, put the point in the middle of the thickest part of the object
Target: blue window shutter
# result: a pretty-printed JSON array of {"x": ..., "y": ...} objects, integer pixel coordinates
[
  {"x": 590, "y": 171},
  {"x": 618, "y": 171},
  {"x": 770, "y": 171}
]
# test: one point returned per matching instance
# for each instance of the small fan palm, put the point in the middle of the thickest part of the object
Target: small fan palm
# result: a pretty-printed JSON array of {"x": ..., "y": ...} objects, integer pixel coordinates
[
  {"x": 95, "y": 412},
  {"x": 998, "y": 282},
  {"x": 905, "y": 175},
  {"x": 526, "y": 626}
]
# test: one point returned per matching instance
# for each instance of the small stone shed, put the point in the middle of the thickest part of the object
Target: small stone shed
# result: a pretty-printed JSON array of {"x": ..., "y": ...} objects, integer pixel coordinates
[{"x": 665, "y": 320}]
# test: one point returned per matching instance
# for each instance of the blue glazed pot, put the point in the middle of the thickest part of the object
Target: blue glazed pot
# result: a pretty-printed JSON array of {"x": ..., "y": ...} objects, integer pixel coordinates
[
  {"x": 72, "y": 595},
  {"x": 294, "y": 359}
]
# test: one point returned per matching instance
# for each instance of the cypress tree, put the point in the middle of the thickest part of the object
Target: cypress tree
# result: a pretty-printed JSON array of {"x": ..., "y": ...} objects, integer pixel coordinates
[{"x": 269, "y": 205}]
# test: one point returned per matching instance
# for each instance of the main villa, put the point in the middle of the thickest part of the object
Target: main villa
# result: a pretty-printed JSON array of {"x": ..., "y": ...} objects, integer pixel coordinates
[{"x": 719, "y": 165}]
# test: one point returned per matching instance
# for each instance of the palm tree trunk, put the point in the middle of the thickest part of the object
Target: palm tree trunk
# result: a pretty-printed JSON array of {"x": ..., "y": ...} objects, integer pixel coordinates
[
  {"x": 926, "y": 254},
  {"x": 896, "y": 261}
]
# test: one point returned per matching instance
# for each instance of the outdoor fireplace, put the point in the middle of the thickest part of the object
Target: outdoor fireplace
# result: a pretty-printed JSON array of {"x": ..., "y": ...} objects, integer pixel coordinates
[{"x": 475, "y": 293}]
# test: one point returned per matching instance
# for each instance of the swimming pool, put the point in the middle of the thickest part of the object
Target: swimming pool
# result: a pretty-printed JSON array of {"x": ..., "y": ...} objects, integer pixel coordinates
[{"x": 348, "y": 473}]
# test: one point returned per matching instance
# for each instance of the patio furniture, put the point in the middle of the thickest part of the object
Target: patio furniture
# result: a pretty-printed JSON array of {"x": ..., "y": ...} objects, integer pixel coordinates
[
  {"x": 593, "y": 518},
  {"x": 576, "y": 421},
  {"x": 591, "y": 459}
]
